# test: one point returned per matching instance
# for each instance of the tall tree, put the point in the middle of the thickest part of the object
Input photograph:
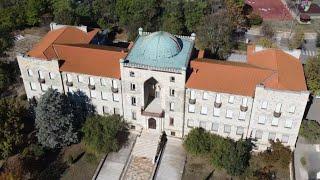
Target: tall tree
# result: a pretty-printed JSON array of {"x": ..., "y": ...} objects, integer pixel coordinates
[
  {"x": 312, "y": 72},
  {"x": 194, "y": 11},
  {"x": 12, "y": 117},
  {"x": 133, "y": 14},
  {"x": 34, "y": 9},
  {"x": 64, "y": 12},
  {"x": 173, "y": 18},
  {"x": 55, "y": 120},
  {"x": 216, "y": 33},
  {"x": 104, "y": 12},
  {"x": 6, "y": 39}
]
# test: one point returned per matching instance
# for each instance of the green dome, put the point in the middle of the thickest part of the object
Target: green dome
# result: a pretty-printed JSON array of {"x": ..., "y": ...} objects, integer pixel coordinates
[{"x": 159, "y": 45}]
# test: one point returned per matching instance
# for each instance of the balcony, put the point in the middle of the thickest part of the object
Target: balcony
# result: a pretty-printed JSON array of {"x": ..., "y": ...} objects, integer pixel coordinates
[
  {"x": 192, "y": 101},
  {"x": 217, "y": 105},
  {"x": 69, "y": 83},
  {"x": 243, "y": 108},
  {"x": 153, "y": 109},
  {"x": 114, "y": 90},
  {"x": 276, "y": 114},
  {"x": 41, "y": 80},
  {"x": 92, "y": 87}
]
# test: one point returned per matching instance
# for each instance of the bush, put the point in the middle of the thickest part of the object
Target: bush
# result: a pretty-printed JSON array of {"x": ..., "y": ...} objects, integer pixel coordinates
[
  {"x": 303, "y": 161},
  {"x": 264, "y": 42},
  {"x": 33, "y": 151},
  {"x": 310, "y": 130},
  {"x": 267, "y": 30},
  {"x": 198, "y": 141},
  {"x": 297, "y": 40},
  {"x": 91, "y": 158},
  {"x": 103, "y": 134},
  {"x": 255, "y": 19}
]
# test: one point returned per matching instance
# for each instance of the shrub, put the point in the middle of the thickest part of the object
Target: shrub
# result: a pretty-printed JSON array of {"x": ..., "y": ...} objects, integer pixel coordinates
[
  {"x": 267, "y": 30},
  {"x": 310, "y": 130},
  {"x": 297, "y": 39},
  {"x": 264, "y": 42},
  {"x": 33, "y": 151},
  {"x": 255, "y": 19},
  {"x": 198, "y": 141},
  {"x": 91, "y": 158},
  {"x": 303, "y": 161}
]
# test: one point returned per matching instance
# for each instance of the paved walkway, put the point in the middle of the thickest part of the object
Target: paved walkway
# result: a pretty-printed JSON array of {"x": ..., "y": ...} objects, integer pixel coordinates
[
  {"x": 173, "y": 159},
  {"x": 116, "y": 161}
]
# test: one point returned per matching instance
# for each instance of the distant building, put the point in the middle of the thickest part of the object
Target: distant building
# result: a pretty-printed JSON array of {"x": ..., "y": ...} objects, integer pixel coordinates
[{"x": 157, "y": 85}]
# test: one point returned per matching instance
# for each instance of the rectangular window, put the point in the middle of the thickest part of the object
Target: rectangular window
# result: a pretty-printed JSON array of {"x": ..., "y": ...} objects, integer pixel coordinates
[
  {"x": 103, "y": 82},
  {"x": 41, "y": 75},
  {"x": 191, "y": 108},
  {"x": 116, "y": 111},
  {"x": 292, "y": 109},
  {"x": 81, "y": 79},
  {"x": 205, "y": 96},
  {"x": 52, "y": 75},
  {"x": 272, "y": 136},
  {"x": 33, "y": 86},
  {"x": 218, "y": 98},
  {"x": 216, "y": 112},
  {"x": 131, "y": 74},
  {"x": 91, "y": 81},
  {"x": 115, "y": 97},
  {"x": 285, "y": 138},
  {"x": 30, "y": 72},
  {"x": 190, "y": 123},
  {"x": 204, "y": 110},
  {"x": 262, "y": 119},
  {"x": 242, "y": 115},
  {"x": 192, "y": 94},
  {"x": 172, "y": 79},
  {"x": 171, "y": 106},
  {"x": 215, "y": 127},
  {"x": 278, "y": 107},
  {"x": 44, "y": 87},
  {"x": 104, "y": 95},
  {"x": 240, "y": 130},
  {"x": 171, "y": 121},
  {"x": 105, "y": 110},
  {"x": 275, "y": 121},
  {"x": 93, "y": 94},
  {"x": 173, "y": 133},
  {"x": 288, "y": 123},
  {"x": 264, "y": 104},
  {"x": 134, "y": 115},
  {"x": 69, "y": 77},
  {"x": 227, "y": 128},
  {"x": 203, "y": 124},
  {"x": 132, "y": 87},
  {"x": 244, "y": 102},
  {"x": 231, "y": 99},
  {"x": 229, "y": 114},
  {"x": 259, "y": 134},
  {"x": 172, "y": 92},
  {"x": 133, "y": 101},
  {"x": 114, "y": 84}
]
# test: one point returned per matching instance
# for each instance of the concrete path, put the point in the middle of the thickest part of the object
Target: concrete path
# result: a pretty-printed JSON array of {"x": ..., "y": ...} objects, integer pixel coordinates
[
  {"x": 173, "y": 159},
  {"x": 116, "y": 161}
]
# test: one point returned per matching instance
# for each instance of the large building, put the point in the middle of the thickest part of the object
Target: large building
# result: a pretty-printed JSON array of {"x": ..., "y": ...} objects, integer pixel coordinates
[{"x": 160, "y": 84}]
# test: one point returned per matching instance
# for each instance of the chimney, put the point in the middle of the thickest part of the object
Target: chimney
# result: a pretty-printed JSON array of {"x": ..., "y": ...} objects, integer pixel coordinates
[
  {"x": 193, "y": 36},
  {"x": 140, "y": 31}
]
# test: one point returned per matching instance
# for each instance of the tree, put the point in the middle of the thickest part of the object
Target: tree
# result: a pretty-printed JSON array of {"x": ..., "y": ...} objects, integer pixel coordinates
[
  {"x": 12, "y": 117},
  {"x": 255, "y": 19},
  {"x": 265, "y": 42},
  {"x": 216, "y": 33},
  {"x": 310, "y": 130},
  {"x": 103, "y": 134},
  {"x": 55, "y": 120},
  {"x": 312, "y": 73},
  {"x": 104, "y": 12},
  {"x": 173, "y": 18},
  {"x": 64, "y": 12},
  {"x": 34, "y": 9},
  {"x": 194, "y": 12},
  {"x": 297, "y": 39},
  {"x": 198, "y": 141},
  {"x": 267, "y": 30},
  {"x": 6, "y": 39},
  {"x": 133, "y": 14}
]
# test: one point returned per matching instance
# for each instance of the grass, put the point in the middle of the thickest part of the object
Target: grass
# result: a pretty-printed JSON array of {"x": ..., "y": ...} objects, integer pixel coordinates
[{"x": 82, "y": 165}]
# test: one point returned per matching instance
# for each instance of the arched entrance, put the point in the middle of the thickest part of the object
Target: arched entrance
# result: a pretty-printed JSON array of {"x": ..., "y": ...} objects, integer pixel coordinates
[{"x": 152, "y": 123}]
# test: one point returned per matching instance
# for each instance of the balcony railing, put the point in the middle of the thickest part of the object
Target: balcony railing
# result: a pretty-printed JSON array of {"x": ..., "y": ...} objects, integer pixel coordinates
[
  {"x": 276, "y": 114},
  {"x": 152, "y": 114},
  {"x": 41, "y": 80},
  {"x": 217, "y": 105},
  {"x": 192, "y": 101},
  {"x": 114, "y": 90},
  {"x": 69, "y": 83},
  {"x": 243, "y": 108},
  {"x": 92, "y": 87}
]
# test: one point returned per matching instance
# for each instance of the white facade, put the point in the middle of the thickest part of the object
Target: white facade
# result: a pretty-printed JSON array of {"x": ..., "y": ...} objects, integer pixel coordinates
[{"x": 158, "y": 100}]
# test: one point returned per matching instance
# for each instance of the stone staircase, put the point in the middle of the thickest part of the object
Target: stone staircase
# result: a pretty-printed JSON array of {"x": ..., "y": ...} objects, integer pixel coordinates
[{"x": 141, "y": 163}]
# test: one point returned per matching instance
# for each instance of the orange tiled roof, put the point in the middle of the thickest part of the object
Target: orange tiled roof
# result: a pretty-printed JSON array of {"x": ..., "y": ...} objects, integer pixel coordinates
[
  {"x": 90, "y": 60},
  {"x": 273, "y": 68},
  {"x": 66, "y": 35}
]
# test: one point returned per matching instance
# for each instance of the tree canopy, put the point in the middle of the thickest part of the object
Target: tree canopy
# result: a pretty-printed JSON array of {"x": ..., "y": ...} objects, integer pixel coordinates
[{"x": 312, "y": 72}]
